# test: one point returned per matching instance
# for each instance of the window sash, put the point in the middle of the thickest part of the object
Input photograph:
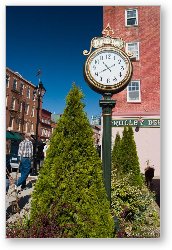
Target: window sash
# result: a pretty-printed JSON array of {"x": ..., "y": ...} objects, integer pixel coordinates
[
  {"x": 13, "y": 102},
  {"x": 133, "y": 92},
  {"x": 131, "y": 17},
  {"x": 11, "y": 122},
  {"x": 7, "y": 81},
  {"x": 133, "y": 47},
  {"x": 21, "y": 88},
  {"x": 15, "y": 84},
  {"x": 28, "y": 93}
]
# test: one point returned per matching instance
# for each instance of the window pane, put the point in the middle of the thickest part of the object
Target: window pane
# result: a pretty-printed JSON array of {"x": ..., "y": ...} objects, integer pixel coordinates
[
  {"x": 131, "y": 13},
  {"x": 131, "y": 21},
  {"x": 134, "y": 95},
  {"x": 133, "y": 48}
]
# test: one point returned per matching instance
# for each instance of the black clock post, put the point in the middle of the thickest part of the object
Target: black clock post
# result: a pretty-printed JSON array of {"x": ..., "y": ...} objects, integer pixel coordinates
[
  {"x": 107, "y": 70},
  {"x": 107, "y": 105}
]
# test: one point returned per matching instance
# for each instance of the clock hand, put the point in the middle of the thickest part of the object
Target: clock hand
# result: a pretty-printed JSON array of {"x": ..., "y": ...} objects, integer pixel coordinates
[
  {"x": 112, "y": 66},
  {"x": 102, "y": 71},
  {"x": 106, "y": 66}
]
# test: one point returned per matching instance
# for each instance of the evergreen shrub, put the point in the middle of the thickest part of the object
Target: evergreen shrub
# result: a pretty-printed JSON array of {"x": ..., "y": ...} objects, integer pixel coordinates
[
  {"x": 126, "y": 156},
  {"x": 133, "y": 205},
  {"x": 70, "y": 183},
  {"x": 135, "y": 209}
]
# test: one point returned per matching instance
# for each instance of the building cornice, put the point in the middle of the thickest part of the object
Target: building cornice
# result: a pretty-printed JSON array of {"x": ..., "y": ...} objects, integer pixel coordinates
[{"x": 19, "y": 76}]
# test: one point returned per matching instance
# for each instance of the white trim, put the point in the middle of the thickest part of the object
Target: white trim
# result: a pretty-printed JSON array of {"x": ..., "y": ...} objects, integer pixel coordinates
[
  {"x": 6, "y": 100},
  {"x": 137, "y": 22},
  {"x": 28, "y": 92},
  {"x": 138, "y": 49},
  {"x": 22, "y": 84},
  {"x": 136, "y": 101},
  {"x": 7, "y": 85},
  {"x": 14, "y": 79},
  {"x": 13, "y": 103}
]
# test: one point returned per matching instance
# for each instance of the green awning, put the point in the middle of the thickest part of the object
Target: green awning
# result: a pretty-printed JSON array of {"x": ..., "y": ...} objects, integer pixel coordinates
[
  {"x": 9, "y": 135},
  {"x": 13, "y": 136}
]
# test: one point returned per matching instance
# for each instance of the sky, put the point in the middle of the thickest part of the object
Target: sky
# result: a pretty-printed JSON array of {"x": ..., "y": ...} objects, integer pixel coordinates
[{"x": 52, "y": 38}]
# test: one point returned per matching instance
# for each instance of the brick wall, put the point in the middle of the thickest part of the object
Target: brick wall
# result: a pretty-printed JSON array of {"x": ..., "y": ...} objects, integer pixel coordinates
[
  {"x": 18, "y": 113},
  {"x": 147, "y": 68}
]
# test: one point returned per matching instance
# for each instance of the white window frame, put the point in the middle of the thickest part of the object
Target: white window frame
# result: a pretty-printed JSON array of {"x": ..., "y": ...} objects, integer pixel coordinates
[
  {"x": 13, "y": 103},
  {"x": 128, "y": 91},
  {"x": 6, "y": 100},
  {"x": 33, "y": 111},
  {"x": 130, "y": 25},
  {"x": 21, "y": 107},
  {"x": 28, "y": 93},
  {"x": 21, "y": 88},
  {"x": 15, "y": 84},
  {"x": 7, "y": 80},
  {"x": 12, "y": 123},
  {"x": 138, "y": 52},
  {"x": 19, "y": 128},
  {"x": 32, "y": 128},
  {"x": 26, "y": 127},
  {"x": 27, "y": 108}
]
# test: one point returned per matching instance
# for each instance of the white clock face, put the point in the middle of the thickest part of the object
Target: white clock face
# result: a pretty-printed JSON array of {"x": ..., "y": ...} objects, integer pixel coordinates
[{"x": 109, "y": 67}]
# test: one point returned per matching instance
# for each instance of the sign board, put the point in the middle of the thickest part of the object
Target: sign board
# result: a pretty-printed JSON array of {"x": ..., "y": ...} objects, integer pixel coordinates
[{"x": 135, "y": 122}]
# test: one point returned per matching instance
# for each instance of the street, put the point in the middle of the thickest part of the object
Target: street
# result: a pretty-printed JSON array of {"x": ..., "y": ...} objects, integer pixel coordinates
[{"x": 24, "y": 199}]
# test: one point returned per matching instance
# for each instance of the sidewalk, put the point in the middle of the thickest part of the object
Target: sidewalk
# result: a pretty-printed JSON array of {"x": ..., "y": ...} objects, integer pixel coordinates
[{"x": 24, "y": 199}]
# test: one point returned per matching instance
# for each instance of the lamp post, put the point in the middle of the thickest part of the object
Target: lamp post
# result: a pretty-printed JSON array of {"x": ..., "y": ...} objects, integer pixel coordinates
[{"x": 39, "y": 93}]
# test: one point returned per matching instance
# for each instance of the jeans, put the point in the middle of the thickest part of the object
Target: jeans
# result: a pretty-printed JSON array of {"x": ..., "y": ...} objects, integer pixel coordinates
[
  {"x": 7, "y": 184},
  {"x": 25, "y": 166}
]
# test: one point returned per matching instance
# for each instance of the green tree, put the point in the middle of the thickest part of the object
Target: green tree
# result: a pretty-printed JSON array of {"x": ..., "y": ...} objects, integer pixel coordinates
[
  {"x": 116, "y": 154},
  {"x": 129, "y": 160},
  {"x": 70, "y": 185}
]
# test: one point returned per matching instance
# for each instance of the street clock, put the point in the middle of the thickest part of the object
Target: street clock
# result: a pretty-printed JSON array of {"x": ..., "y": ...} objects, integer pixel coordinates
[{"x": 108, "y": 69}]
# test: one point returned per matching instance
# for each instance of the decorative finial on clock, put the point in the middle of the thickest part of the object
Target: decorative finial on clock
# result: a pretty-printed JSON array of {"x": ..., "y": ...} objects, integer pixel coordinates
[{"x": 108, "y": 30}]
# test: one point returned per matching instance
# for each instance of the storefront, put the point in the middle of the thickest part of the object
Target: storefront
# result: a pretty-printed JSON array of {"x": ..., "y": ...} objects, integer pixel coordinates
[{"x": 147, "y": 137}]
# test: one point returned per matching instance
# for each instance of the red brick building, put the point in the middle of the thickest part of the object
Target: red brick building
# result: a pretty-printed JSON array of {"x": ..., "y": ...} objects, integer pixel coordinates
[
  {"x": 45, "y": 125},
  {"x": 20, "y": 104},
  {"x": 139, "y": 27}
]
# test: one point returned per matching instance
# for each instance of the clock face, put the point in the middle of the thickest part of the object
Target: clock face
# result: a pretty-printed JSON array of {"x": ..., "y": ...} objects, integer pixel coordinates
[{"x": 108, "y": 69}]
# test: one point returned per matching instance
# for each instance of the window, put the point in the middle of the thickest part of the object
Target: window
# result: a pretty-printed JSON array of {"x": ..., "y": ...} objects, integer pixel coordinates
[
  {"x": 34, "y": 95},
  {"x": 19, "y": 128},
  {"x": 33, "y": 112},
  {"x": 21, "y": 88},
  {"x": 131, "y": 17},
  {"x": 7, "y": 101},
  {"x": 133, "y": 91},
  {"x": 27, "y": 109},
  {"x": 13, "y": 102},
  {"x": 21, "y": 105},
  {"x": 32, "y": 129},
  {"x": 133, "y": 47},
  {"x": 11, "y": 123},
  {"x": 28, "y": 92},
  {"x": 7, "y": 81},
  {"x": 26, "y": 127},
  {"x": 15, "y": 84}
]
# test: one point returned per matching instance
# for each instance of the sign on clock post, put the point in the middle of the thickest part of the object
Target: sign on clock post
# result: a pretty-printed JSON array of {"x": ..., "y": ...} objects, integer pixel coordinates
[{"x": 107, "y": 71}]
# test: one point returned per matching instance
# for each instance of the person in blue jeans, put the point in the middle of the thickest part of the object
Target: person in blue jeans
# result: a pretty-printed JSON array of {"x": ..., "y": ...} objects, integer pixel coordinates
[
  {"x": 8, "y": 165},
  {"x": 25, "y": 154}
]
